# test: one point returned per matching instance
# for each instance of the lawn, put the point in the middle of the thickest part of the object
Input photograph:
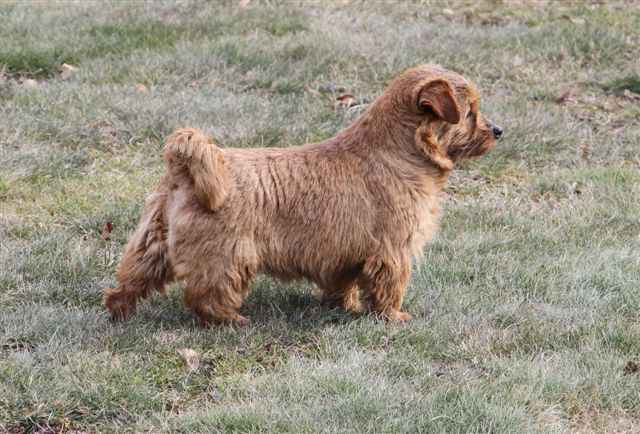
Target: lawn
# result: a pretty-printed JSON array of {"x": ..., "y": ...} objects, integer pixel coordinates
[{"x": 525, "y": 305}]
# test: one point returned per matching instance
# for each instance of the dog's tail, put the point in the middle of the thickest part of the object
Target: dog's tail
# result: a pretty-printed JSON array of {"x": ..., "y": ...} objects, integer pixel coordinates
[
  {"x": 192, "y": 157},
  {"x": 145, "y": 264}
]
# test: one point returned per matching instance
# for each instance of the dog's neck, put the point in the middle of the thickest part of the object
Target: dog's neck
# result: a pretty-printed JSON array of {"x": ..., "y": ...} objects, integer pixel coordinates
[
  {"x": 387, "y": 125},
  {"x": 389, "y": 131}
]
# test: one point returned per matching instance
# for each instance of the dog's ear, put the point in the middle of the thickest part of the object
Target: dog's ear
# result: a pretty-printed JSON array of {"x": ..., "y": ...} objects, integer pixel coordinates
[
  {"x": 437, "y": 96},
  {"x": 428, "y": 144}
]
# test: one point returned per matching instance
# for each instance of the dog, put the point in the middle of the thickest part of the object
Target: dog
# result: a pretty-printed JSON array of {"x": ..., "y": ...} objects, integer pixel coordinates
[{"x": 350, "y": 213}]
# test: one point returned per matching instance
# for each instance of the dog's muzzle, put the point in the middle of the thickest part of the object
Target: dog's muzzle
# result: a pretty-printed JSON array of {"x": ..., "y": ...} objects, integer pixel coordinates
[{"x": 497, "y": 131}]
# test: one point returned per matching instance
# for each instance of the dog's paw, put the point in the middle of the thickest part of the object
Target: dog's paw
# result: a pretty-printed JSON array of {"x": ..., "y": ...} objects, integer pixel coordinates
[
  {"x": 352, "y": 303},
  {"x": 241, "y": 321},
  {"x": 119, "y": 306},
  {"x": 397, "y": 316},
  {"x": 237, "y": 320}
]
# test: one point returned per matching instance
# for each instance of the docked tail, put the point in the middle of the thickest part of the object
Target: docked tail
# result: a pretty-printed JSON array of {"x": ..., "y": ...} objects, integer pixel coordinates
[{"x": 192, "y": 157}]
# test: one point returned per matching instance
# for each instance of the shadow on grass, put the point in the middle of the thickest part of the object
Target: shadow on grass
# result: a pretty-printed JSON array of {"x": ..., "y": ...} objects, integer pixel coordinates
[
  {"x": 270, "y": 305},
  {"x": 286, "y": 321}
]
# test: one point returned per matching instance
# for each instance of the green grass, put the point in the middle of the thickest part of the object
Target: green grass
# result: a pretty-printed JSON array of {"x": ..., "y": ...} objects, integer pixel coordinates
[
  {"x": 630, "y": 82},
  {"x": 525, "y": 305}
]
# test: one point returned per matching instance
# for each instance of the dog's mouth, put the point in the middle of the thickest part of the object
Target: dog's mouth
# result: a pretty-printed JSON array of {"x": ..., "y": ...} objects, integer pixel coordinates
[
  {"x": 480, "y": 150},
  {"x": 484, "y": 148},
  {"x": 473, "y": 149},
  {"x": 488, "y": 141},
  {"x": 483, "y": 138}
]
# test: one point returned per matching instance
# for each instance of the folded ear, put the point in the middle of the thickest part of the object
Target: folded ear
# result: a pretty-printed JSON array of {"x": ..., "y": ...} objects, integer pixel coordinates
[
  {"x": 437, "y": 96},
  {"x": 428, "y": 144}
]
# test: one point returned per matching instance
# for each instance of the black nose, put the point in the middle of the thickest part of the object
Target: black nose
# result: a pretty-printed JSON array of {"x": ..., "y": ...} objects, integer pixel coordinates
[{"x": 497, "y": 131}]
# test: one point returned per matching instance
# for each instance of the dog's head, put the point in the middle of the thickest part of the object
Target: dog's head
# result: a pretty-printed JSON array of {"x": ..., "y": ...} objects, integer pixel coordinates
[{"x": 445, "y": 106}]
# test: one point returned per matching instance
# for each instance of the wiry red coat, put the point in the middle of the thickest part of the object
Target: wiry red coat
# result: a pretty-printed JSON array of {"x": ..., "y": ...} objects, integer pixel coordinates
[{"x": 348, "y": 213}]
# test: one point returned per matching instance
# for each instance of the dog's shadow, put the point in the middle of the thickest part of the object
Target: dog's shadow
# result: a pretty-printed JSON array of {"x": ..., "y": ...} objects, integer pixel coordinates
[{"x": 270, "y": 302}]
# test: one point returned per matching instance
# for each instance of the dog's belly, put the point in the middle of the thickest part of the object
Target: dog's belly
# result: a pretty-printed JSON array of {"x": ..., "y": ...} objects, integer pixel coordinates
[{"x": 323, "y": 255}]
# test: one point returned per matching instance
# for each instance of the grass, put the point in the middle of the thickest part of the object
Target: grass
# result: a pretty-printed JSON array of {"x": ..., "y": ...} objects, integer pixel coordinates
[{"x": 525, "y": 305}]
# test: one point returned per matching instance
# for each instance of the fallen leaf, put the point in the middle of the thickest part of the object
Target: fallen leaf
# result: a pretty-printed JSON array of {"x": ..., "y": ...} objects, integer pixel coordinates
[
  {"x": 191, "y": 357},
  {"x": 106, "y": 231},
  {"x": 584, "y": 151},
  {"x": 346, "y": 100},
  {"x": 447, "y": 11},
  {"x": 244, "y": 4},
  {"x": 576, "y": 188},
  {"x": 66, "y": 71},
  {"x": 141, "y": 88},
  {"x": 566, "y": 96}
]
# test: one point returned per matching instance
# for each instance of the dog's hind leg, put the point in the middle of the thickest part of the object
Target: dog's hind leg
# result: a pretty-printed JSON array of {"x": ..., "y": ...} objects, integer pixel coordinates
[
  {"x": 145, "y": 264},
  {"x": 218, "y": 302},
  {"x": 383, "y": 282},
  {"x": 216, "y": 270}
]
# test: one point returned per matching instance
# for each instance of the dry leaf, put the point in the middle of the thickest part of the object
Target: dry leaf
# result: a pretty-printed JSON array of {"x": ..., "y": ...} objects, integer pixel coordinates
[
  {"x": 584, "y": 151},
  {"x": 141, "y": 88},
  {"x": 447, "y": 12},
  {"x": 536, "y": 197},
  {"x": 67, "y": 71},
  {"x": 346, "y": 100},
  {"x": 244, "y": 4},
  {"x": 191, "y": 357},
  {"x": 566, "y": 96},
  {"x": 106, "y": 231}
]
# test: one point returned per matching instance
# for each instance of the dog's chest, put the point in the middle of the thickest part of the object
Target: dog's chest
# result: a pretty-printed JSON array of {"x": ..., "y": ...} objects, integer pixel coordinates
[{"x": 427, "y": 213}]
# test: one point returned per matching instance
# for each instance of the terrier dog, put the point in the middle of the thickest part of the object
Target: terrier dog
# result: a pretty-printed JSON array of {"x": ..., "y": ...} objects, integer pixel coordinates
[{"x": 348, "y": 214}]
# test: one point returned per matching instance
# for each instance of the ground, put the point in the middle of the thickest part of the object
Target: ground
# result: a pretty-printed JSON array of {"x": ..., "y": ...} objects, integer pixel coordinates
[{"x": 525, "y": 305}]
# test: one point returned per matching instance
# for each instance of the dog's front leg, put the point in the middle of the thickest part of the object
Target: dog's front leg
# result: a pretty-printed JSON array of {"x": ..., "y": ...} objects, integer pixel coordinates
[
  {"x": 343, "y": 295},
  {"x": 383, "y": 283}
]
